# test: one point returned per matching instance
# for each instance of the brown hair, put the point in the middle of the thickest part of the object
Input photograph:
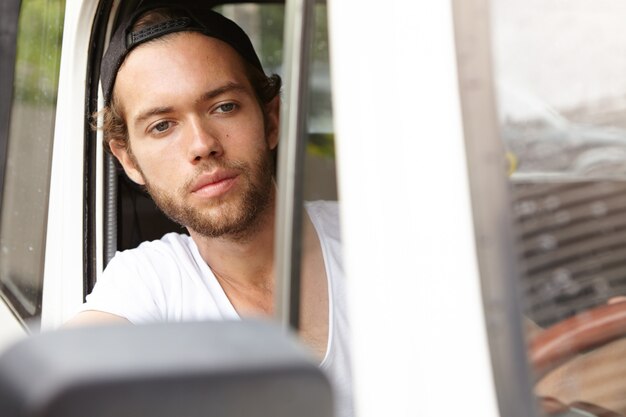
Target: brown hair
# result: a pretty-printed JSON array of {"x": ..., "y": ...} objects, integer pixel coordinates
[{"x": 114, "y": 126}]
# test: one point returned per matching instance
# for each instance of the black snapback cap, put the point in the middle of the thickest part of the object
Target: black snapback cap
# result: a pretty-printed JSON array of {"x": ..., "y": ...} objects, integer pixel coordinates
[{"x": 189, "y": 19}]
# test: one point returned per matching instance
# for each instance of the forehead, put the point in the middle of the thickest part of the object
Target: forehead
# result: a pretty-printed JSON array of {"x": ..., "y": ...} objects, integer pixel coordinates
[{"x": 176, "y": 62}]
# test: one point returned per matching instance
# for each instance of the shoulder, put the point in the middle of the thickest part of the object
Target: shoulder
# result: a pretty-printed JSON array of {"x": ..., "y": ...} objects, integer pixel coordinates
[
  {"x": 174, "y": 247},
  {"x": 323, "y": 214},
  {"x": 143, "y": 284},
  {"x": 158, "y": 265},
  {"x": 325, "y": 218},
  {"x": 171, "y": 242}
]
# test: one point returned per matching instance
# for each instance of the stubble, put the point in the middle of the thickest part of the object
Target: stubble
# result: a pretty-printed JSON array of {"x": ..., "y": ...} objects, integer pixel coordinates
[{"x": 235, "y": 216}]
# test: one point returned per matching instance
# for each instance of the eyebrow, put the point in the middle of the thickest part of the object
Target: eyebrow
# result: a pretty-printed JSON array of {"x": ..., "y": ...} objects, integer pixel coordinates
[
  {"x": 226, "y": 88},
  {"x": 152, "y": 112},
  {"x": 209, "y": 95}
]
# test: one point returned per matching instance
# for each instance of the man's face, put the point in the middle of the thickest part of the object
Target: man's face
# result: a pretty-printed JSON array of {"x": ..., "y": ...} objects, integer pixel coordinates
[{"x": 197, "y": 134}]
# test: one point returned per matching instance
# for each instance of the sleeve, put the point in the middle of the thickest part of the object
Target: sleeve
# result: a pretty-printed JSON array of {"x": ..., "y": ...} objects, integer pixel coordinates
[{"x": 128, "y": 288}]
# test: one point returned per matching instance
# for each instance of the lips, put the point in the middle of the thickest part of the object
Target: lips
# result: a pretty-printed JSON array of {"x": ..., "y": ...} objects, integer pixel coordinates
[{"x": 214, "y": 184}]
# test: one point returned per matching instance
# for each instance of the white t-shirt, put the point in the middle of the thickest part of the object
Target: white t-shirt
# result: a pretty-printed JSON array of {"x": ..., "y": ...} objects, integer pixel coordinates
[{"x": 167, "y": 280}]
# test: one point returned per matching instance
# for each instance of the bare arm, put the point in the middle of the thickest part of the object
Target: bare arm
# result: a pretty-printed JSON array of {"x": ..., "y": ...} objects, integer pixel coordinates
[{"x": 93, "y": 317}]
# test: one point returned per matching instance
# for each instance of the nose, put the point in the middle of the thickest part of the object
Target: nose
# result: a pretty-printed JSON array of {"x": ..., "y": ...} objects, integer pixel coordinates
[{"x": 203, "y": 141}]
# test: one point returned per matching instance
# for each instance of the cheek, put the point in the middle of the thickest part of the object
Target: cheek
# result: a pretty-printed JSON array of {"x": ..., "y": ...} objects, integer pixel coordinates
[
  {"x": 154, "y": 167},
  {"x": 243, "y": 137},
  {"x": 156, "y": 153}
]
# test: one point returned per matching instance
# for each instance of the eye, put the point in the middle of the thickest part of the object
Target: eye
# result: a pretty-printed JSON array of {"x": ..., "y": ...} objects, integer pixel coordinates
[
  {"x": 226, "y": 108},
  {"x": 161, "y": 127}
]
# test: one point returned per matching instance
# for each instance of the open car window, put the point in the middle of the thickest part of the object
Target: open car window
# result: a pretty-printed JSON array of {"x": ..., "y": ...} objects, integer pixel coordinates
[{"x": 140, "y": 220}]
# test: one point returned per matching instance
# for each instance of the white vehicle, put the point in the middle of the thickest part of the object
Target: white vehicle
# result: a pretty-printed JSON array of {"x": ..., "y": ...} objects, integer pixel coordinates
[{"x": 469, "y": 286}]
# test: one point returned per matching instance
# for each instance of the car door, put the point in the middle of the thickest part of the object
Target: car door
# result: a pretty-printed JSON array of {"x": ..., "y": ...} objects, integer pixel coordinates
[{"x": 473, "y": 240}]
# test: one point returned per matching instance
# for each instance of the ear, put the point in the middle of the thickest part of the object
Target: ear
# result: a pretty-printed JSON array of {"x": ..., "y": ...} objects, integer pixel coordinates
[
  {"x": 272, "y": 122},
  {"x": 120, "y": 151}
]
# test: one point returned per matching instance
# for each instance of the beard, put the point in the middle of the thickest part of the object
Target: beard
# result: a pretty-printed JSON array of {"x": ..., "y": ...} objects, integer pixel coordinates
[{"x": 234, "y": 216}]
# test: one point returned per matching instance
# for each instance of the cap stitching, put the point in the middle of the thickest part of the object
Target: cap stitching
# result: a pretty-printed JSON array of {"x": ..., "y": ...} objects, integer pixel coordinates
[{"x": 157, "y": 30}]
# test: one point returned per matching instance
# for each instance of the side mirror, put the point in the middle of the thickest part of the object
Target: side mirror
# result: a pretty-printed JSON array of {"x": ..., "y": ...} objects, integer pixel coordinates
[{"x": 204, "y": 369}]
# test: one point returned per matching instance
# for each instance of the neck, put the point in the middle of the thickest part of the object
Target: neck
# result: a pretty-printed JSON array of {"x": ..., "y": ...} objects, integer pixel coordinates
[{"x": 242, "y": 262}]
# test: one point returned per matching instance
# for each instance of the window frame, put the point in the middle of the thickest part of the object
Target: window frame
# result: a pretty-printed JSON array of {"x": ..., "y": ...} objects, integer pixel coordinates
[
  {"x": 9, "y": 18},
  {"x": 490, "y": 200},
  {"x": 298, "y": 36},
  {"x": 98, "y": 37}
]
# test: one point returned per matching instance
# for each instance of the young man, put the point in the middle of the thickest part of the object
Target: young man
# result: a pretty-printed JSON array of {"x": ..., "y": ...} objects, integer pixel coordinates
[{"x": 190, "y": 115}]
